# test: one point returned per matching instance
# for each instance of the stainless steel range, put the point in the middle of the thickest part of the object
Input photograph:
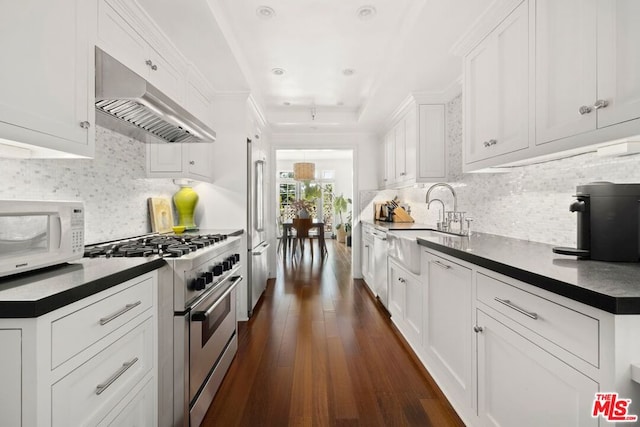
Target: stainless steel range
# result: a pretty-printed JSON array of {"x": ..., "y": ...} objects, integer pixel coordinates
[{"x": 197, "y": 337}]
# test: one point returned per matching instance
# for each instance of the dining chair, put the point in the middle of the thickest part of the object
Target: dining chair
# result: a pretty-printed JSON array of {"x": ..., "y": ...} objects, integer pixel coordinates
[{"x": 302, "y": 227}]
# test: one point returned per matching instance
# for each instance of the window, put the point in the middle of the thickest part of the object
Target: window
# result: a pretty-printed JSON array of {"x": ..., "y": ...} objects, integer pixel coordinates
[{"x": 290, "y": 190}]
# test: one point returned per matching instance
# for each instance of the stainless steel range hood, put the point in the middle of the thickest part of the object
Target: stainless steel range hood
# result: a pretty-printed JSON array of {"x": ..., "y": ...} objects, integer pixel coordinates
[{"x": 128, "y": 104}]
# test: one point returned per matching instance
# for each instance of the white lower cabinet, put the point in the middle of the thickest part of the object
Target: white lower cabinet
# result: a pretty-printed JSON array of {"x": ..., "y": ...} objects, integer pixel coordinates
[
  {"x": 10, "y": 372},
  {"x": 367, "y": 255},
  {"x": 447, "y": 344},
  {"x": 506, "y": 353},
  {"x": 92, "y": 362},
  {"x": 405, "y": 302},
  {"x": 520, "y": 384}
]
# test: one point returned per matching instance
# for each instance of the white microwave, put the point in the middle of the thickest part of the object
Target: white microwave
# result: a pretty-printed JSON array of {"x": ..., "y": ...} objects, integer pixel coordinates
[{"x": 36, "y": 234}]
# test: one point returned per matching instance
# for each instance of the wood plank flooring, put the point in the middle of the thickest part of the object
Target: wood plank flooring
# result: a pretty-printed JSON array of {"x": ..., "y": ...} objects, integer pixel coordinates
[{"x": 320, "y": 351}]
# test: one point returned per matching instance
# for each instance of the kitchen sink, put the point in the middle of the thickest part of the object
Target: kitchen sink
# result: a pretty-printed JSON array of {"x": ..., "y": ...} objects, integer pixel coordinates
[{"x": 403, "y": 246}]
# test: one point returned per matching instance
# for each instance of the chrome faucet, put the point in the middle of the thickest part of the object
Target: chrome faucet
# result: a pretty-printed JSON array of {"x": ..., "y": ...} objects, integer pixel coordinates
[
  {"x": 441, "y": 223},
  {"x": 445, "y": 185}
]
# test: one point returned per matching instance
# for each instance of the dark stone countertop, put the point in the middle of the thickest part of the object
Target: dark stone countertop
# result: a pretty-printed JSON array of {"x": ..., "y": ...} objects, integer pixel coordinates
[
  {"x": 42, "y": 291},
  {"x": 609, "y": 286},
  {"x": 390, "y": 226}
]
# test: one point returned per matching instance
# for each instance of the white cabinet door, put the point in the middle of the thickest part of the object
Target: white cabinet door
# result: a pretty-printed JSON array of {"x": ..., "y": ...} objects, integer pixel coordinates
[
  {"x": 167, "y": 73},
  {"x": 138, "y": 412},
  {"x": 121, "y": 40},
  {"x": 497, "y": 84},
  {"x": 11, "y": 374},
  {"x": 519, "y": 384},
  {"x": 390, "y": 158},
  {"x": 396, "y": 294},
  {"x": 565, "y": 59},
  {"x": 367, "y": 255},
  {"x": 410, "y": 145},
  {"x": 618, "y": 60},
  {"x": 448, "y": 326},
  {"x": 199, "y": 161},
  {"x": 432, "y": 158},
  {"x": 400, "y": 159},
  {"x": 199, "y": 100},
  {"x": 47, "y": 74},
  {"x": 164, "y": 159}
]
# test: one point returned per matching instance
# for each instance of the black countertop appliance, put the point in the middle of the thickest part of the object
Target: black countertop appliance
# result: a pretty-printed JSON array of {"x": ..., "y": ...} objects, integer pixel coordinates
[{"x": 608, "y": 222}]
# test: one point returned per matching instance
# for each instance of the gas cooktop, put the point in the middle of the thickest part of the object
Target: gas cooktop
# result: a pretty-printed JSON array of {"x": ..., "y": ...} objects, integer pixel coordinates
[{"x": 166, "y": 245}]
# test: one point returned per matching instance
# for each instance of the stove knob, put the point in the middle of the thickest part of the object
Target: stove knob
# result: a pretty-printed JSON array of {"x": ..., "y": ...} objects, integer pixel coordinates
[
  {"x": 237, "y": 257},
  {"x": 218, "y": 269},
  {"x": 231, "y": 259},
  {"x": 208, "y": 276},
  {"x": 198, "y": 284},
  {"x": 226, "y": 265}
]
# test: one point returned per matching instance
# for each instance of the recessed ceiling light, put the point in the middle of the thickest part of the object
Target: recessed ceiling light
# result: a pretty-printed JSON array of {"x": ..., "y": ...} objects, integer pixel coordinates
[
  {"x": 265, "y": 12},
  {"x": 340, "y": 103},
  {"x": 277, "y": 71},
  {"x": 287, "y": 103},
  {"x": 366, "y": 12},
  {"x": 348, "y": 71}
]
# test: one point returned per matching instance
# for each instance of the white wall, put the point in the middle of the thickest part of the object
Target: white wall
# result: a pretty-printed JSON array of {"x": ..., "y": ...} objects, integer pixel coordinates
[{"x": 365, "y": 160}]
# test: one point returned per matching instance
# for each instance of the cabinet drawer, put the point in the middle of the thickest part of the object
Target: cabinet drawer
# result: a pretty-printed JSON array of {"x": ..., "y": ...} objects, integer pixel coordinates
[
  {"x": 575, "y": 332},
  {"x": 78, "y": 330},
  {"x": 113, "y": 373}
]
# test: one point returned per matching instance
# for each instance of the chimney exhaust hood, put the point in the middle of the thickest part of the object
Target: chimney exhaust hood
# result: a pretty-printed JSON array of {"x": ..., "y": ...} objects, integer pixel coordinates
[{"x": 130, "y": 105}]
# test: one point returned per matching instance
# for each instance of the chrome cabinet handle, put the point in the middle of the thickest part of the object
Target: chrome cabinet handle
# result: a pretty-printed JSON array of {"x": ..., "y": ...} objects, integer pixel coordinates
[
  {"x": 477, "y": 329},
  {"x": 102, "y": 387},
  {"x": 511, "y": 305},
  {"x": 600, "y": 103},
  {"x": 441, "y": 264},
  {"x": 126, "y": 308},
  {"x": 401, "y": 280},
  {"x": 490, "y": 142},
  {"x": 153, "y": 66},
  {"x": 192, "y": 162},
  {"x": 403, "y": 173},
  {"x": 585, "y": 109},
  {"x": 85, "y": 125}
]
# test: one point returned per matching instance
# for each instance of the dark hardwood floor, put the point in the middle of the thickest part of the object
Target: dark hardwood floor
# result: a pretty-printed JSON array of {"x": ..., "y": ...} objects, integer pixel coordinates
[{"x": 320, "y": 350}]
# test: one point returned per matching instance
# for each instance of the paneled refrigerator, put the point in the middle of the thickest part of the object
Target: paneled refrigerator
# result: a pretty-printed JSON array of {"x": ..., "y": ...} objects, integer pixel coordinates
[{"x": 258, "y": 268}]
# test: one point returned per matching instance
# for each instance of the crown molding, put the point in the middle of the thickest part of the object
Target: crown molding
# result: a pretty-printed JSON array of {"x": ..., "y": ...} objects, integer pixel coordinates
[{"x": 485, "y": 23}]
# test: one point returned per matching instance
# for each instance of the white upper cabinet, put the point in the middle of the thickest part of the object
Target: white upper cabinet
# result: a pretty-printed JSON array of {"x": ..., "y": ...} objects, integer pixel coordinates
[
  {"x": 618, "y": 60},
  {"x": 565, "y": 68},
  {"x": 587, "y": 66},
  {"x": 554, "y": 75},
  {"x": 46, "y": 77},
  {"x": 497, "y": 85},
  {"x": 181, "y": 160},
  {"x": 199, "y": 96},
  {"x": 122, "y": 34},
  {"x": 414, "y": 148}
]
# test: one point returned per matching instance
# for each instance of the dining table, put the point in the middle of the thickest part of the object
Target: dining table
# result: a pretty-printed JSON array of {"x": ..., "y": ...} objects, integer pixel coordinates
[{"x": 286, "y": 235}]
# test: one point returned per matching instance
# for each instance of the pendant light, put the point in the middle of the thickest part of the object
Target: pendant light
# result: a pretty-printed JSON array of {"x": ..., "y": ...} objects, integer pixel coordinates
[{"x": 304, "y": 171}]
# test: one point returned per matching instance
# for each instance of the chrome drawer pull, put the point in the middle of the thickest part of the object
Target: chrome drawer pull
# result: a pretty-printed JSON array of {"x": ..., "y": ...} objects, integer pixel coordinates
[
  {"x": 126, "y": 308},
  {"x": 443, "y": 265},
  {"x": 102, "y": 387},
  {"x": 509, "y": 304},
  {"x": 401, "y": 280}
]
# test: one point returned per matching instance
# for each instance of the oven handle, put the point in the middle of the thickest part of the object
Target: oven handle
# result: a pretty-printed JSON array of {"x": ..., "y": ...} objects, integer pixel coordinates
[{"x": 201, "y": 316}]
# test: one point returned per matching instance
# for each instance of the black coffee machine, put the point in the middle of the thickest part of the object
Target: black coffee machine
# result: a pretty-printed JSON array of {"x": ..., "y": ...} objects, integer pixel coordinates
[{"x": 608, "y": 222}]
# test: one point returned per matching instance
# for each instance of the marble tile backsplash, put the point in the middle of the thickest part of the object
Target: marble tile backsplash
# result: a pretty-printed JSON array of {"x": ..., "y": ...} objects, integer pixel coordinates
[
  {"x": 530, "y": 202},
  {"x": 113, "y": 185}
]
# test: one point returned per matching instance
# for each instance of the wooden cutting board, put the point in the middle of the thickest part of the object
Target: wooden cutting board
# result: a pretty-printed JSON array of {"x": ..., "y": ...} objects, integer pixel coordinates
[{"x": 160, "y": 215}]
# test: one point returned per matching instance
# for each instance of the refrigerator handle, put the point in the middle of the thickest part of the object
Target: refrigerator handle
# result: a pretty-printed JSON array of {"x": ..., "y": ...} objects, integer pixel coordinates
[{"x": 261, "y": 250}]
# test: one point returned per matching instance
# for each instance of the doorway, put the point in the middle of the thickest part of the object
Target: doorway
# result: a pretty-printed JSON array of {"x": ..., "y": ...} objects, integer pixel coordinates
[{"x": 331, "y": 187}]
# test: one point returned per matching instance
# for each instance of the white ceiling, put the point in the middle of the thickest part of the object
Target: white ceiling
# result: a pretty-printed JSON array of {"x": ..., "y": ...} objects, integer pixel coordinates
[
  {"x": 312, "y": 155},
  {"x": 404, "y": 48}
]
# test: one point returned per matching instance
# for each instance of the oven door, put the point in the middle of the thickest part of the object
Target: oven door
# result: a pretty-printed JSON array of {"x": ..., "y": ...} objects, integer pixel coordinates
[{"x": 212, "y": 326}]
